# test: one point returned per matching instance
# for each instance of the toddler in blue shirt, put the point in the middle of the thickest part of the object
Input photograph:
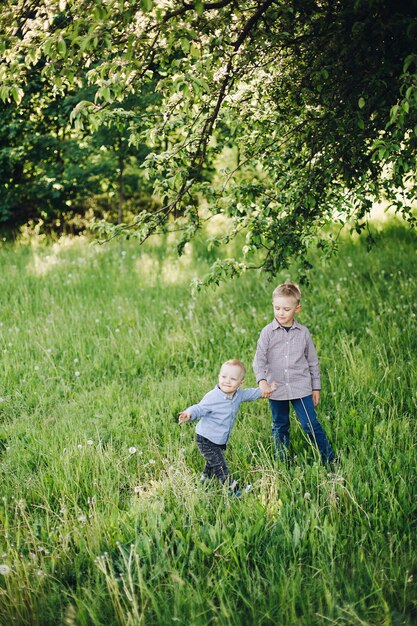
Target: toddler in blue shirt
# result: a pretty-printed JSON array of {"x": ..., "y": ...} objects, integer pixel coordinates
[{"x": 217, "y": 412}]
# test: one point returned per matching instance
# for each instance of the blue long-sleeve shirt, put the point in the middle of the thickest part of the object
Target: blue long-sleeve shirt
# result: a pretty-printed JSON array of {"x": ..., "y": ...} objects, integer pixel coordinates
[{"x": 218, "y": 412}]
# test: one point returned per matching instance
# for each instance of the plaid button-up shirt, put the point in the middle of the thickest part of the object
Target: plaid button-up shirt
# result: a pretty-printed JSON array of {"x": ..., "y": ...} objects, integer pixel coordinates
[{"x": 289, "y": 358}]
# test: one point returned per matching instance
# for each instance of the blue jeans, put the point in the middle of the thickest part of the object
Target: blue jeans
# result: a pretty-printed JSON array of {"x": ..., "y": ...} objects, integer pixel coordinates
[{"x": 306, "y": 413}]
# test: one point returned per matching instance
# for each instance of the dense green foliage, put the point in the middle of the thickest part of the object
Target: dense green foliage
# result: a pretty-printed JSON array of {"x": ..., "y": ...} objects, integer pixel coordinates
[
  {"x": 102, "y": 517},
  {"x": 315, "y": 104},
  {"x": 65, "y": 177}
]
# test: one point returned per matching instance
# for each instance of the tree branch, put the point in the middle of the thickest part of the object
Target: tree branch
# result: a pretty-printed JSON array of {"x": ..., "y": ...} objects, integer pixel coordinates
[{"x": 251, "y": 23}]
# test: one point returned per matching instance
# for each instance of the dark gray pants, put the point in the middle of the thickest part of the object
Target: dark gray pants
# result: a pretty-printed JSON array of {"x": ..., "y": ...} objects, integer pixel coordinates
[{"x": 215, "y": 460}]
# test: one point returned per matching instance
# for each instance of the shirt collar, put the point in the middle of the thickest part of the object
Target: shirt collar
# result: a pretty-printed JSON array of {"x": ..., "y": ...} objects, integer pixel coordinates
[
  {"x": 277, "y": 325},
  {"x": 217, "y": 388}
]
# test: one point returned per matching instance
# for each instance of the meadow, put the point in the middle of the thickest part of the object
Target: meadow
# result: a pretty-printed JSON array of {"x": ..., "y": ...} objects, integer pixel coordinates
[{"x": 103, "y": 520}]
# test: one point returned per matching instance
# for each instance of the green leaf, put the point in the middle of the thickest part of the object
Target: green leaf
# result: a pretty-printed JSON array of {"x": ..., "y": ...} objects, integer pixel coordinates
[
  {"x": 147, "y": 5},
  {"x": 17, "y": 94},
  {"x": 394, "y": 112},
  {"x": 410, "y": 60},
  {"x": 199, "y": 7},
  {"x": 185, "y": 45},
  {"x": 62, "y": 47},
  {"x": 361, "y": 102},
  {"x": 195, "y": 51},
  {"x": 4, "y": 94}
]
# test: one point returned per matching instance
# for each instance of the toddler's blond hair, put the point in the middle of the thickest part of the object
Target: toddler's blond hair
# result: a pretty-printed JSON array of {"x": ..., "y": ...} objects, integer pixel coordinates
[{"x": 237, "y": 363}]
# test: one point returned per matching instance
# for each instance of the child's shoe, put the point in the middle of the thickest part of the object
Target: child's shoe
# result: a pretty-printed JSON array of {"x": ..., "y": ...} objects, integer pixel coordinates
[{"x": 234, "y": 490}]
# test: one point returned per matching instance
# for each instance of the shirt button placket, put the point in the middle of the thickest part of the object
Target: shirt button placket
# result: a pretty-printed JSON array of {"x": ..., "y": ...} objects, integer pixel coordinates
[{"x": 287, "y": 380}]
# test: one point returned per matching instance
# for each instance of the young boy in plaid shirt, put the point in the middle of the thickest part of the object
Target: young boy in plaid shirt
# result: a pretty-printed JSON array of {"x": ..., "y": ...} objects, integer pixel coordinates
[{"x": 286, "y": 355}]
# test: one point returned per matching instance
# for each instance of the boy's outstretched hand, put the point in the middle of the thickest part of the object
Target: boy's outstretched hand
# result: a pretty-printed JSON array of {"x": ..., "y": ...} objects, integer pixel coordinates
[
  {"x": 266, "y": 388},
  {"x": 184, "y": 417}
]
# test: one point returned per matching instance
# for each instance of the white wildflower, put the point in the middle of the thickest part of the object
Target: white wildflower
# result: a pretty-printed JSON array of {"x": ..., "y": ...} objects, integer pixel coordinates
[{"x": 220, "y": 74}]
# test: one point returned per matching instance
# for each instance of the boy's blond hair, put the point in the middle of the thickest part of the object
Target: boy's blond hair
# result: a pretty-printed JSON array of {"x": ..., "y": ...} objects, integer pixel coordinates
[
  {"x": 236, "y": 363},
  {"x": 288, "y": 290}
]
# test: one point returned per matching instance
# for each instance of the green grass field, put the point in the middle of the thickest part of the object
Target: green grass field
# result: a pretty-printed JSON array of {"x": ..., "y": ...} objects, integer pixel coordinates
[{"x": 103, "y": 520}]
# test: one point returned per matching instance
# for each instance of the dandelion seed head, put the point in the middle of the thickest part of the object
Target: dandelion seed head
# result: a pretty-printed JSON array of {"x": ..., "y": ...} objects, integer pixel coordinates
[
  {"x": 89, "y": 442},
  {"x": 132, "y": 450},
  {"x": 4, "y": 569},
  {"x": 77, "y": 374}
]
